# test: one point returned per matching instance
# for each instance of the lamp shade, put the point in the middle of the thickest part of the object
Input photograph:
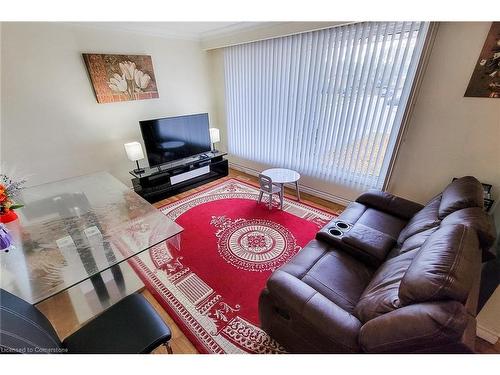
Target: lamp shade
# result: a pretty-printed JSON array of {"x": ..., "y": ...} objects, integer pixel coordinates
[
  {"x": 134, "y": 151},
  {"x": 214, "y": 135}
]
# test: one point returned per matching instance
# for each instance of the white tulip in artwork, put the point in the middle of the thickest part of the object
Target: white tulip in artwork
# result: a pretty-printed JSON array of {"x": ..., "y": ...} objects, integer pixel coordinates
[
  {"x": 127, "y": 68},
  {"x": 118, "y": 83},
  {"x": 141, "y": 79}
]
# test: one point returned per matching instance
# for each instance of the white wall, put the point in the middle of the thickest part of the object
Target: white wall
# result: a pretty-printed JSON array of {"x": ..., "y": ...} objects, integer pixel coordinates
[
  {"x": 53, "y": 127},
  {"x": 450, "y": 135}
]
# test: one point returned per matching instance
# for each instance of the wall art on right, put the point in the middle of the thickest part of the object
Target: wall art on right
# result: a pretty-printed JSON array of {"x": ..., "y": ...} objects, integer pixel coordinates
[{"x": 485, "y": 80}]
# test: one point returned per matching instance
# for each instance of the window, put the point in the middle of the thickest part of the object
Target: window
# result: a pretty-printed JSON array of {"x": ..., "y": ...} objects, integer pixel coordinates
[{"x": 327, "y": 103}]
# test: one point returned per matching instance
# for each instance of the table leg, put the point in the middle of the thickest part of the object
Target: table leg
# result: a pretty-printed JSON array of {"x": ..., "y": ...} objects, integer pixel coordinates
[
  {"x": 175, "y": 241},
  {"x": 282, "y": 195},
  {"x": 297, "y": 189}
]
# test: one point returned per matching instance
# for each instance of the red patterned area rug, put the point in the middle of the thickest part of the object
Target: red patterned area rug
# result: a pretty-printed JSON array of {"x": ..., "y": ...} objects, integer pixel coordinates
[{"x": 210, "y": 280}]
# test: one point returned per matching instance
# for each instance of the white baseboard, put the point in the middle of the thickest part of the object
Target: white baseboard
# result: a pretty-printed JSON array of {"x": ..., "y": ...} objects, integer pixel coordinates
[
  {"x": 486, "y": 334},
  {"x": 305, "y": 189},
  {"x": 488, "y": 324}
]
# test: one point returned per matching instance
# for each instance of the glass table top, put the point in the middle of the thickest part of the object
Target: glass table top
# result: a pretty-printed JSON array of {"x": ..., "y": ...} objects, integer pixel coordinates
[{"x": 71, "y": 230}]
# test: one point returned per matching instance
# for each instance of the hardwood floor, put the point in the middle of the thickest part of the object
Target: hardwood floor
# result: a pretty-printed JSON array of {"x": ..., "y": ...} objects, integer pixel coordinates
[
  {"x": 484, "y": 347},
  {"x": 179, "y": 343},
  {"x": 62, "y": 315}
]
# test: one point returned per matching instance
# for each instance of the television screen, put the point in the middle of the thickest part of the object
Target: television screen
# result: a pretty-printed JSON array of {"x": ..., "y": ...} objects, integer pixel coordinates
[{"x": 172, "y": 138}]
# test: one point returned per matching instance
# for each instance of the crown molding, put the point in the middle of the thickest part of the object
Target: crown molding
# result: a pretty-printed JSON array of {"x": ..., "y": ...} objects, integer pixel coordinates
[
  {"x": 143, "y": 28},
  {"x": 263, "y": 31}
]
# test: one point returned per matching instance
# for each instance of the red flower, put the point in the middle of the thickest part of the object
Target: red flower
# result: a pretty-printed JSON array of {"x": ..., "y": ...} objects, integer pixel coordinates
[{"x": 3, "y": 197}]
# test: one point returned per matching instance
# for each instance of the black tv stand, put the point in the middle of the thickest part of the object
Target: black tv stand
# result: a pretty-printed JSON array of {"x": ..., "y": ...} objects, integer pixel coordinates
[{"x": 165, "y": 180}]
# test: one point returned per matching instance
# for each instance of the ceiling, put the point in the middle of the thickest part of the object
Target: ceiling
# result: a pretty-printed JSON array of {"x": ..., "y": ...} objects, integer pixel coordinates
[{"x": 183, "y": 30}]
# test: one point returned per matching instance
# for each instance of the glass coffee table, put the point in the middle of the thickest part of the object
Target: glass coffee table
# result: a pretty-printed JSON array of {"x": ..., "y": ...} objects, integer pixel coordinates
[{"x": 72, "y": 230}]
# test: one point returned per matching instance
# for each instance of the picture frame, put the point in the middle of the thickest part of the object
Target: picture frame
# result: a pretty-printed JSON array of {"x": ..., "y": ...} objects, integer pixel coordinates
[{"x": 118, "y": 78}]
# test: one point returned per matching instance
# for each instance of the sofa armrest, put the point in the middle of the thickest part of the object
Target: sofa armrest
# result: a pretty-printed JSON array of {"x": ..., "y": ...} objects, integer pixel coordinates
[
  {"x": 423, "y": 327},
  {"x": 306, "y": 304},
  {"x": 364, "y": 243},
  {"x": 371, "y": 245},
  {"x": 390, "y": 204}
]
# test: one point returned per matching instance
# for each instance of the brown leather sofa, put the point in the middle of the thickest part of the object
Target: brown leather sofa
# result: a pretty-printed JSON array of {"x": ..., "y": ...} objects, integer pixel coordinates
[{"x": 387, "y": 276}]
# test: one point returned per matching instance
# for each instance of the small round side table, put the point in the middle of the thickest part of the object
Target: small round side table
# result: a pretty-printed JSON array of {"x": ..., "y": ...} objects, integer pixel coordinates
[{"x": 284, "y": 176}]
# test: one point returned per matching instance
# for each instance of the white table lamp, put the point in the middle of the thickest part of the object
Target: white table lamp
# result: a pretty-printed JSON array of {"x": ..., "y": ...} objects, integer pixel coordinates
[
  {"x": 134, "y": 153},
  {"x": 214, "y": 137}
]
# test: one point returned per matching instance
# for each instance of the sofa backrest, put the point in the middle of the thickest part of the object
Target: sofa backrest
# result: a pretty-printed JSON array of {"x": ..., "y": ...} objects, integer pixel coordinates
[
  {"x": 426, "y": 218},
  {"x": 464, "y": 192},
  {"x": 444, "y": 268},
  {"x": 437, "y": 255},
  {"x": 382, "y": 293}
]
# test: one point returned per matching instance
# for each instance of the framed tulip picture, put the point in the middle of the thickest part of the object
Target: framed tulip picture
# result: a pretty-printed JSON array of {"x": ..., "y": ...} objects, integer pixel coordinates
[{"x": 118, "y": 78}]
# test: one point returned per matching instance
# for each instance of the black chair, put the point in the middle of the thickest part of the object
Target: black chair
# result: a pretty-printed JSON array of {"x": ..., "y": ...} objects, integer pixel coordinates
[{"x": 130, "y": 326}]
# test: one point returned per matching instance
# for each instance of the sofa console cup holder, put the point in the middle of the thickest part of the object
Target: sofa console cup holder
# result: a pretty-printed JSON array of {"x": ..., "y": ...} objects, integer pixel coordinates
[
  {"x": 343, "y": 226},
  {"x": 339, "y": 229},
  {"x": 335, "y": 232}
]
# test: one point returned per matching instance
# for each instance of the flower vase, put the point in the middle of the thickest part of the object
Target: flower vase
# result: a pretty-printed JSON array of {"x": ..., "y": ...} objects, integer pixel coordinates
[{"x": 8, "y": 217}]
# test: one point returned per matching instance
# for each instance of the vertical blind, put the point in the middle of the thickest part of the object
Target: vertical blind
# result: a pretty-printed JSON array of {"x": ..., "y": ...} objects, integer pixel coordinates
[{"x": 327, "y": 103}]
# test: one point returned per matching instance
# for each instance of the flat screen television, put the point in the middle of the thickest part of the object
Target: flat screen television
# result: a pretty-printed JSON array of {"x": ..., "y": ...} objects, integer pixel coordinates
[{"x": 172, "y": 138}]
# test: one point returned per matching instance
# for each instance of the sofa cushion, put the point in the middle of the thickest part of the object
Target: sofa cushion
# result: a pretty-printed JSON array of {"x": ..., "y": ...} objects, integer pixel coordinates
[
  {"x": 302, "y": 262},
  {"x": 381, "y": 294},
  {"x": 444, "y": 267},
  {"x": 462, "y": 193},
  {"x": 339, "y": 277},
  {"x": 425, "y": 219},
  {"x": 333, "y": 273},
  {"x": 385, "y": 223},
  {"x": 416, "y": 241}
]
